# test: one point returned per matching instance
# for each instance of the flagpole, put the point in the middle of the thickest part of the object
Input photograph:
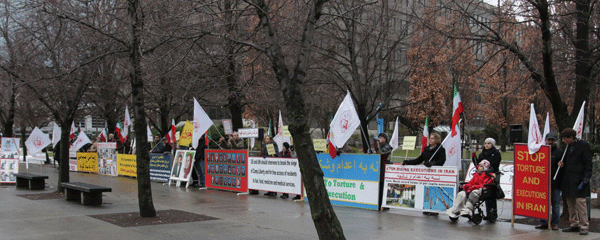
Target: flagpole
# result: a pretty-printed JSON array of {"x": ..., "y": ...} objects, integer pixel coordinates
[
  {"x": 561, "y": 159},
  {"x": 366, "y": 137}
]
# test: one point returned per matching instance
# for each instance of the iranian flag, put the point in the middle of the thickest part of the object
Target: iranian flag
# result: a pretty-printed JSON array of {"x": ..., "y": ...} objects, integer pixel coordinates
[
  {"x": 103, "y": 135},
  {"x": 171, "y": 134},
  {"x": 118, "y": 130},
  {"x": 126, "y": 124},
  {"x": 457, "y": 106},
  {"x": 73, "y": 132},
  {"x": 394, "y": 138},
  {"x": 578, "y": 127},
  {"x": 425, "y": 134}
]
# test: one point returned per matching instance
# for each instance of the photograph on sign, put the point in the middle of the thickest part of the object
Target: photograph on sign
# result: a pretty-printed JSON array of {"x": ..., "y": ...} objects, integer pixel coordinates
[{"x": 226, "y": 170}]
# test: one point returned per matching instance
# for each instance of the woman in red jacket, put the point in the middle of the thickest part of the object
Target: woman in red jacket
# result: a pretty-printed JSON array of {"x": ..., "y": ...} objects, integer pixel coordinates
[{"x": 463, "y": 205}]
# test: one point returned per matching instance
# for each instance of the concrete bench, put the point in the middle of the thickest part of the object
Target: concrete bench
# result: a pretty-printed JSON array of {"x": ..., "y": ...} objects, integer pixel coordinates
[
  {"x": 88, "y": 194},
  {"x": 31, "y": 181}
]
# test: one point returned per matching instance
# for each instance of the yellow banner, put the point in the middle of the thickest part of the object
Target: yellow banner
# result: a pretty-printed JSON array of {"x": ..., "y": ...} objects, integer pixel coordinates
[
  {"x": 87, "y": 162},
  {"x": 127, "y": 165},
  {"x": 286, "y": 131},
  {"x": 320, "y": 145},
  {"x": 409, "y": 143},
  {"x": 186, "y": 134}
]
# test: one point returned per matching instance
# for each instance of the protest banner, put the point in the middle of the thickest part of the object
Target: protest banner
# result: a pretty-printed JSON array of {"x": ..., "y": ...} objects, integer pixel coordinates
[
  {"x": 506, "y": 178},
  {"x": 127, "y": 165},
  {"x": 227, "y": 128},
  {"x": 182, "y": 167},
  {"x": 87, "y": 162},
  {"x": 351, "y": 180},
  {"x": 227, "y": 170},
  {"x": 409, "y": 143},
  {"x": 248, "y": 132},
  {"x": 286, "y": 131},
  {"x": 9, "y": 160},
  {"x": 107, "y": 158},
  {"x": 531, "y": 182},
  {"x": 419, "y": 187},
  {"x": 320, "y": 145},
  {"x": 185, "y": 138},
  {"x": 275, "y": 175},
  {"x": 160, "y": 167}
]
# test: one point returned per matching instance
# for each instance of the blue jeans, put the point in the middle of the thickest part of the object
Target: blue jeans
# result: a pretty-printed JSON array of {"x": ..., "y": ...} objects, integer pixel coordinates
[
  {"x": 200, "y": 171},
  {"x": 555, "y": 200}
]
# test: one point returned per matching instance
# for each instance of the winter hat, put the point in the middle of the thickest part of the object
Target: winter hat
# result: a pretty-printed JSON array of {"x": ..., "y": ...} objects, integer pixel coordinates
[
  {"x": 490, "y": 140},
  {"x": 384, "y": 136},
  {"x": 486, "y": 164}
]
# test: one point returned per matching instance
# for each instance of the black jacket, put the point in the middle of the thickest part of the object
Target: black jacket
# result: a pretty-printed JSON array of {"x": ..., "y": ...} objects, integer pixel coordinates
[
  {"x": 438, "y": 160},
  {"x": 385, "y": 150},
  {"x": 265, "y": 153},
  {"x": 577, "y": 169},
  {"x": 556, "y": 155},
  {"x": 493, "y": 156}
]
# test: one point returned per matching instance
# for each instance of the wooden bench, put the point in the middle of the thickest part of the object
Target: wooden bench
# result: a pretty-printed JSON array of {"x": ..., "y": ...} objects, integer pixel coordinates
[
  {"x": 88, "y": 194},
  {"x": 31, "y": 181}
]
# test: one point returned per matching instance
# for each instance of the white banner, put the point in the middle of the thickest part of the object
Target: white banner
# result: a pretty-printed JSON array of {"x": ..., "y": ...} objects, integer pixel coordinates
[
  {"x": 274, "y": 175},
  {"x": 248, "y": 132},
  {"x": 419, "y": 187},
  {"x": 508, "y": 172}
]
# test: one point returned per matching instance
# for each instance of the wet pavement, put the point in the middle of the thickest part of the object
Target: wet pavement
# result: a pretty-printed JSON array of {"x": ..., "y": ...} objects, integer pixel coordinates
[{"x": 239, "y": 217}]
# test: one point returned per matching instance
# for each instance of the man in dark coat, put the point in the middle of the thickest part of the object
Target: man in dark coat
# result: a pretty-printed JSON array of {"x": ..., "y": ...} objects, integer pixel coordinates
[
  {"x": 577, "y": 169},
  {"x": 383, "y": 148},
  {"x": 555, "y": 154}
]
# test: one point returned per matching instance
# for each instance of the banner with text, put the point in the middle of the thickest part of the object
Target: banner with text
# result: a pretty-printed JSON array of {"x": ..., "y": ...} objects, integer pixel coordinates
[
  {"x": 107, "y": 158},
  {"x": 160, "y": 167},
  {"x": 420, "y": 187},
  {"x": 127, "y": 165},
  {"x": 226, "y": 170},
  {"x": 9, "y": 159},
  {"x": 274, "y": 175},
  {"x": 506, "y": 179},
  {"x": 87, "y": 162},
  {"x": 351, "y": 179},
  {"x": 531, "y": 182}
]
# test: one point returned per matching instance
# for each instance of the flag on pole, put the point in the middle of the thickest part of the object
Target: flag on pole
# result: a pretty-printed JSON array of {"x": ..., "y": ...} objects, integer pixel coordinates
[
  {"x": 546, "y": 126},
  {"x": 171, "y": 134},
  {"x": 126, "y": 125},
  {"x": 344, "y": 123},
  {"x": 279, "y": 139},
  {"x": 330, "y": 148},
  {"x": 103, "y": 136},
  {"x": 186, "y": 134},
  {"x": 452, "y": 145},
  {"x": 201, "y": 124},
  {"x": 55, "y": 135},
  {"x": 425, "y": 134},
  {"x": 252, "y": 140},
  {"x": 82, "y": 140},
  {"x": 269, "y": 130},
  {"x": 118, "y": 129},
  {"x": 73, "y": 132},
  {"x": 534, "y": 139},
  {"x": 457, "y": 108},
  {"x": 37, "y": 141},
  {"x": 394, "y": 139},
  {"x": 578, "y": 127},
  {"x": 149, "y": 133}
]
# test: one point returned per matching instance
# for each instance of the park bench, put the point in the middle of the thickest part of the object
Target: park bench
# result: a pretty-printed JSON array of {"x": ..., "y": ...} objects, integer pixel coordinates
[
  {"x": 31, "y": 181},
  {"x": 88, "y": 194}
]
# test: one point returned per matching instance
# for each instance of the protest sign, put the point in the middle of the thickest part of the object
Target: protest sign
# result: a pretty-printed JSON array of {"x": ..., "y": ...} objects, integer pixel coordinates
[
  {"x": 227, "y": 128},
  {"x": 409, "y": 143},
  {"x": 274, "y": 175},
  {"x": 320, "y": 145},
  {"x": 532, "y": 182},
  {"x": 107, "y": 158},
  {"x": 420, "y": 187},
  {"x": 87, "y": 162},
  {"x": 9, "y": 160},
  {"x": 227, "y": 170},
  {"x": 127, "y": 165},
  {"x": 160, "y": 167},
  {"x": 181, "y": 169}
]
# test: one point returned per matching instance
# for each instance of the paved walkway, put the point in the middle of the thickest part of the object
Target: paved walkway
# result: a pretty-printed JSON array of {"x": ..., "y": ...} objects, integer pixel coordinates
[{"x": 239, "y": 217}]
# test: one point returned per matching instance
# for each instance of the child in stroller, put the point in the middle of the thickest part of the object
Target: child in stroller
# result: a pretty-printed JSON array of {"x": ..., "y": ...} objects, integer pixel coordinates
[{"x": 468, "y": 198}]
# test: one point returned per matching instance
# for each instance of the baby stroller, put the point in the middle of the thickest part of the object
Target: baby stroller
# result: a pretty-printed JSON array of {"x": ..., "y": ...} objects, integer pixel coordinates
[{"x": 489, "y": 193}]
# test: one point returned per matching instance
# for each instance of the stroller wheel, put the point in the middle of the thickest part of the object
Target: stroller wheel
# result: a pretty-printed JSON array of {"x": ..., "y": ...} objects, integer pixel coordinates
[
  {"x": 453, "y": 219},
  {"x": 476, "y": 219}
]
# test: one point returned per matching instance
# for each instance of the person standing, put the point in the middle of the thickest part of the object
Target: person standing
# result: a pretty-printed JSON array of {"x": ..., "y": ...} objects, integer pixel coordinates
[
  {"x": 491, "y": 153},
  {"x": 199, "y": 163},
  {"x": 234, "y": 142},
  {"x": 555, "y": 154},
  {"x": 577, "y": 169},
  {"x": 385, "y": 150},
  {"x": 265, "y": 153}
]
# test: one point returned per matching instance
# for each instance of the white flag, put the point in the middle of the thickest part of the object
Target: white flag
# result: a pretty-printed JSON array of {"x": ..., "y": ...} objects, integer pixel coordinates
[
  {"x": 546, "y": 126},
  {"x": 252, "y": 140},
  {"x": 37, "y": 141},
  {"x": 534, "y": 140},
  {"x": 150, "y": 139},
  {"x": 126, "y": 124},
  {"x": 82, "y": 140},
  {"x": 344, "y": 123},
  {"x": 452, "y": 145},
  {"x": 578, "y": 127},
  {"x": 55, "y": 135},
  {"x": 201, "y": 123},
  {"x": 394, "y": 139},
  {"x": 279, "y": 139}
]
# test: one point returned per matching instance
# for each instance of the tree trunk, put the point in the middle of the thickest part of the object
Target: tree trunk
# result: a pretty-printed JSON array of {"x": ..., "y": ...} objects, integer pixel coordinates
[
  {"x": 325, "y": 219},
  {"x": 10, "y": 119},
  {"x": 63, "y": 163},
  {"x": 145, "y": 203}
]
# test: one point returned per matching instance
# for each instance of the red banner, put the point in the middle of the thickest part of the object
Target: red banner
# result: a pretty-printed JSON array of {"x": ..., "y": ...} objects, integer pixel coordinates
[
  {"x": 531, "y": 182},
  {"x": 226, "y": 170}
]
